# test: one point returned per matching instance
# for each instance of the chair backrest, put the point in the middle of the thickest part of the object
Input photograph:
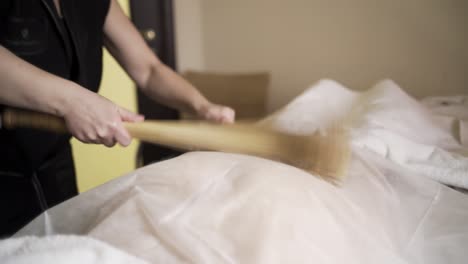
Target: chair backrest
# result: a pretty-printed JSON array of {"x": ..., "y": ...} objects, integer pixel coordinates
[{"x": 246, "y": 93}]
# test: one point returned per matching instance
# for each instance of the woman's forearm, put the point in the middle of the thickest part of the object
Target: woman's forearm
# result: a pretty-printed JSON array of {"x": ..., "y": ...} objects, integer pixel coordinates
[
  {"x": 167, "y": 87},
  {"x": 155, "y": 79},
  {"x": 26, "y": 86}
]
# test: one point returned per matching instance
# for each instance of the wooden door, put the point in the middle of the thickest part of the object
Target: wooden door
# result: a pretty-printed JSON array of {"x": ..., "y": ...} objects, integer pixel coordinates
[{"x": 155, "y": 20}]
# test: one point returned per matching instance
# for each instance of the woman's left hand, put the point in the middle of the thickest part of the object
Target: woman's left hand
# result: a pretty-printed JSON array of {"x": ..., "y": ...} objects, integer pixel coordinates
[{"x": 217, "y": 113}]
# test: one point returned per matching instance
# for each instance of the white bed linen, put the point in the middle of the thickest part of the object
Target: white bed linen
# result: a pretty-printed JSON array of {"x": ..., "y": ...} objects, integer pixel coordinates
[
  {"x": 453, "y": 110},
  {"x": 208, "y": 207},
  {"x": 62, "y": 249},
  {"x": 385, "y": 120}
]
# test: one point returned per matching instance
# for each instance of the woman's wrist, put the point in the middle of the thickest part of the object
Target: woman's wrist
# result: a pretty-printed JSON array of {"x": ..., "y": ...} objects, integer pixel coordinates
[
  {"x": 67, "y": 96},
  {"x": 201, "y": 106}
]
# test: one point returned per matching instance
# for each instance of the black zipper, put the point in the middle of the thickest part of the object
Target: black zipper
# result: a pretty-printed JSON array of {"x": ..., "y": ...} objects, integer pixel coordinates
[
  {"x": 63, "y": 34},
  {"x": 39, "y": 192},
  {"x": 74, "y": 42},
  {"x": 54, "y": 18}
]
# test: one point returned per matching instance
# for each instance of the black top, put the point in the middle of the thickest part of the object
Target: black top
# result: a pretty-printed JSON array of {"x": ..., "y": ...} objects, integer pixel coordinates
[
  {"x": 70, "y": 48},
  {"x": 63, "y": 44}
]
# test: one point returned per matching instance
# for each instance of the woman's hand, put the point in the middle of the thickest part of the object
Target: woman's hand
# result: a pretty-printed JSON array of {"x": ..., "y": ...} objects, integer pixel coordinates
[
  {"x": 89, "y": 117},
  {"x": 217, "y": 113},
  {"x": 92, "y": 118}
]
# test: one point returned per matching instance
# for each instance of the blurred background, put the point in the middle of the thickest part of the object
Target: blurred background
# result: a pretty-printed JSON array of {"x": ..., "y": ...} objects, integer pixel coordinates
[{"x": 257, "y": 55}]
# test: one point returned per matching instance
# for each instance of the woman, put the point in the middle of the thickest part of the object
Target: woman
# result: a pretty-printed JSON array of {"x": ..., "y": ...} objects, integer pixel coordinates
[{"x": 51, "y": 61}]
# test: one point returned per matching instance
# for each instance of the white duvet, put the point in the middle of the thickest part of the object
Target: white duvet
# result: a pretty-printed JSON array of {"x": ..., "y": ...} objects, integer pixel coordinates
[{"x": 208, "y": 207}]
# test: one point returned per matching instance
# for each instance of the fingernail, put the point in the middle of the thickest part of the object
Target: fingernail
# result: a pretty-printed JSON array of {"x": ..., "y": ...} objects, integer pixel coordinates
[{"x": 126, "y": 143}]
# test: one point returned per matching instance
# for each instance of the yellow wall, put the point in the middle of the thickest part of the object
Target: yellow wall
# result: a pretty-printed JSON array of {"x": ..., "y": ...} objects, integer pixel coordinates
[{"x": 97, "y": 164}]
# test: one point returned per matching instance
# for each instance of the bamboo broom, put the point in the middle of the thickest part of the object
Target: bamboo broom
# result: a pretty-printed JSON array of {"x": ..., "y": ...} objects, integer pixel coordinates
[{"x": 326, "y": 155}]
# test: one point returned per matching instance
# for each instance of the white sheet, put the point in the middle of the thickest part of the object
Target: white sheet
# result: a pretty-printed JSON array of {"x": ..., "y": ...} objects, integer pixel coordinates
[
  {"x": 208, "y": 207},
  {"x": 453, "y": 110},
  {"x": 62, "y": 249}
]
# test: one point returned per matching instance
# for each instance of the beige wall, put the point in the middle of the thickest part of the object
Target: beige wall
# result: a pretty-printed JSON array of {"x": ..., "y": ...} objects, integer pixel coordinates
[
  {"x": 189, "y": 35},
  {"x": 421, "y": 44}
]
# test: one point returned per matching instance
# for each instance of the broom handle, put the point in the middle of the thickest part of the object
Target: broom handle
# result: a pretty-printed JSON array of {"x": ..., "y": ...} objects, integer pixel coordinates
[
  {"x": 14, "y": 118},
  {"x": 178, "y": 134}
]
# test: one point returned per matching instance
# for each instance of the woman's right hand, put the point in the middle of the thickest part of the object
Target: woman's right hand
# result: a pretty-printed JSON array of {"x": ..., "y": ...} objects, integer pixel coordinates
[
  {"x": 92, "y": 118},
  {"x": 89, "y": 117}
]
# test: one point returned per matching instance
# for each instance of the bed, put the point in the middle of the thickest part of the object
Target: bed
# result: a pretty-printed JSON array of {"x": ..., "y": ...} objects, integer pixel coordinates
[{"x": 396, "y": 205}]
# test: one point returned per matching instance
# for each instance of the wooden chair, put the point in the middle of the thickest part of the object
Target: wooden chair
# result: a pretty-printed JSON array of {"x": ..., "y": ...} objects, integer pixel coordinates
[{"x": 246, "y": 93}]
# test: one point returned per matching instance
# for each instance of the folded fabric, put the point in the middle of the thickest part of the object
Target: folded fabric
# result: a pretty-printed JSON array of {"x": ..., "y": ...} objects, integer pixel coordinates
[{"x": 453, "y": 108}]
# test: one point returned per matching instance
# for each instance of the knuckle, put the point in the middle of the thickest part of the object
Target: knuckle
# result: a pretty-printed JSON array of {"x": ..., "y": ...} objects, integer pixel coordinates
[
  {"x": 109, "y": 143},
  {"x": 92, "y": 137},
  {"x": 102, "y": 131}
]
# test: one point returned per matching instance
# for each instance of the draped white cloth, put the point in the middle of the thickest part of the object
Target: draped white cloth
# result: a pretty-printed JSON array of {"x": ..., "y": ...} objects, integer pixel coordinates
[
  {"x": 209, "y": 207},
  {"x": 452, "y": 112},
  {"x": 62, "y": 249}
]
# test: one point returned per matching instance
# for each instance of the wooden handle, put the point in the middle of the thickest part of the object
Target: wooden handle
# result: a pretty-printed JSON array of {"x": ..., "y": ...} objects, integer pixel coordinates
[
  {"x": 15, "y": 118},
  {"x": 199, "y": 135},
  {"x": 187, "y": 135}
]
